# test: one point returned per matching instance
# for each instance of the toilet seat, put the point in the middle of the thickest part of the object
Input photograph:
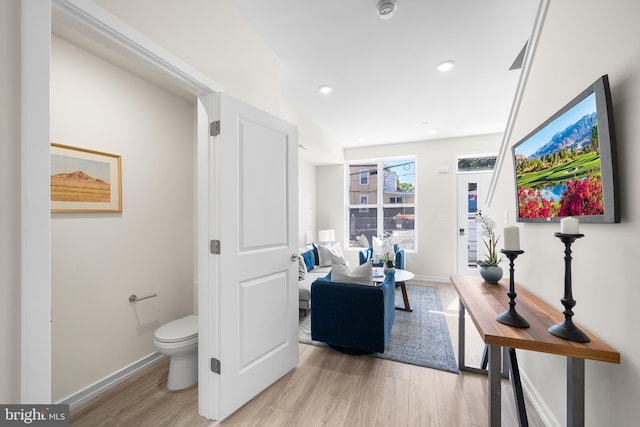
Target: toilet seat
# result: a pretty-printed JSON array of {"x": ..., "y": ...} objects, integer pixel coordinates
[
  {"x": 185, "y": 346},
  {"x": 179, "y": 330}
]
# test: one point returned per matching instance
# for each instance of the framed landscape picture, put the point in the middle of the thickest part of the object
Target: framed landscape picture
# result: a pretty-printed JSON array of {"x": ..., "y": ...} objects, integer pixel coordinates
[{"x": 85, "y": 180}]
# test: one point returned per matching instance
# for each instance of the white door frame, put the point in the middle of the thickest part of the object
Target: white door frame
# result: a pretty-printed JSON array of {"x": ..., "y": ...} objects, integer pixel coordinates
[
  {"x": 456, "y": 206},
  {"x": 35, "y": 210},
  {"x": 35, "y": 215},
  {"x": 459, "y": 175}
]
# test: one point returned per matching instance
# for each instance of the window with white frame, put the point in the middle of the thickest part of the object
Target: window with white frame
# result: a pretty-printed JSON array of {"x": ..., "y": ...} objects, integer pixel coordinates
[{"x": 382, "y": 207}]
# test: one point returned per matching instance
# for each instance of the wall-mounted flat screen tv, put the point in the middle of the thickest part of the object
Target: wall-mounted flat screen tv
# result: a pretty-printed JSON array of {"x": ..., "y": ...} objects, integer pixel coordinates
[{"x": 566, "y": 166}]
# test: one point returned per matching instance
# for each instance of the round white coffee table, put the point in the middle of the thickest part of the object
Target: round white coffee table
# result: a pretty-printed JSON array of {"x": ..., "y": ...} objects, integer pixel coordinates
[{"x": 400, "y": 276}]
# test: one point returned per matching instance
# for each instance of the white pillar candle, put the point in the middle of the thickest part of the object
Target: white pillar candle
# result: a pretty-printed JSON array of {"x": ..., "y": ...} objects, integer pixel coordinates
[
  {"x": 569, "y": 225},
  {"x": 511, "y": 238}
]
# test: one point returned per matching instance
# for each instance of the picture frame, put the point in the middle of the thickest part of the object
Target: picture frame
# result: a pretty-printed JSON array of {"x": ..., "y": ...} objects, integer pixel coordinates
[{"x": 84, "y": 180}]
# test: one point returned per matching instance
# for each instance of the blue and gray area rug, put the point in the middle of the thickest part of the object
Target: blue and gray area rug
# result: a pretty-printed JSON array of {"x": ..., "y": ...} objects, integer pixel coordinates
[{"x": 419, "y": 338}]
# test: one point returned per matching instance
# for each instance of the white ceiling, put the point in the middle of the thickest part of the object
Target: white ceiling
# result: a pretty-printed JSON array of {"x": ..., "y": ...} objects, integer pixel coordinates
[{"x": 383, "y": 72}]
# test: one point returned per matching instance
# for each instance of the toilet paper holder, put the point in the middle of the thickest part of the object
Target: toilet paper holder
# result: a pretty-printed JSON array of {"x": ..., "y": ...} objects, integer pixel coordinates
[{"x": 134, "y": 298}]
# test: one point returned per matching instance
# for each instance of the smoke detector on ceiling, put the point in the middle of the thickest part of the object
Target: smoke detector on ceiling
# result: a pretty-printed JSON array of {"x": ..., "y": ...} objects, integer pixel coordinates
[{"x": 386, "y": 8}]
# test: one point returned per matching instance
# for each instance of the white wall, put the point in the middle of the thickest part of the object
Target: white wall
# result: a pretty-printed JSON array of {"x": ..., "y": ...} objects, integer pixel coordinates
[
  {"x": 436, "y": 195},
  {"x": 306, "y": 202},
  {"x": 10, "y": 196},
  {"x": 319, "y": 148},
  {"x": 99, "y": 259},
  {"x": 316, "y": 148},
  {"x": 212, "y": 37},
  {"x": 330, "y": 205},
  {"x": 580, "y": 41}
]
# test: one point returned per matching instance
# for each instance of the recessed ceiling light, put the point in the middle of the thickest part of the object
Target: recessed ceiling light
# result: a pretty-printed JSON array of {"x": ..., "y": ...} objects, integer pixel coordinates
[
  {"x": 325, "y": 89},
  {"x": 361, "y": 139},
  {"x": 445, "y": 66},
  {"x": 433, "y": 131}
]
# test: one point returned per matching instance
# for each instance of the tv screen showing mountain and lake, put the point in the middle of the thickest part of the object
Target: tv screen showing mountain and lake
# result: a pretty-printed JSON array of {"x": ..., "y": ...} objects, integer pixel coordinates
[{"x": 566, "y": 166}]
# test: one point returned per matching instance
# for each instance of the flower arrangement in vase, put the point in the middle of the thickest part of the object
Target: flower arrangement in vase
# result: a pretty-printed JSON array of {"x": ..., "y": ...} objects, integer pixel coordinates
[
  {"x": 388, "y": 255},
  {"x": 387, "y": 262},
  {"x": 490, "y": 269}
]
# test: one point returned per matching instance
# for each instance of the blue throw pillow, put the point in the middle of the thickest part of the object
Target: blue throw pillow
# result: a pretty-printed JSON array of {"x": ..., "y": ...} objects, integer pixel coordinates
[
  {"x": 316, "y": 255},
  {"x": 309, "y": 259}
]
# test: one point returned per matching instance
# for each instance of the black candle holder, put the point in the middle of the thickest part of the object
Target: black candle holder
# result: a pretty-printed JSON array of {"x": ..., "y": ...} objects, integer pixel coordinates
[
  {"x": 511, "y": 317},
  {"x": 567, "y": 329}
]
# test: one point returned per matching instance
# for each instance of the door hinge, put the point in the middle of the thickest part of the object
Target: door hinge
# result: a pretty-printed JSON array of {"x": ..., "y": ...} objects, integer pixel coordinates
[
  {"x": 214, "y": 247},
  {"x": 214, "y": 128},
  {"x": 215, "y": 365}
]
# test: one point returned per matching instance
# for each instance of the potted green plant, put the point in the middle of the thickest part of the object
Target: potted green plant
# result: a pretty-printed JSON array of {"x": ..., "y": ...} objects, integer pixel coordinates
[{"x": 490, "y": 269}]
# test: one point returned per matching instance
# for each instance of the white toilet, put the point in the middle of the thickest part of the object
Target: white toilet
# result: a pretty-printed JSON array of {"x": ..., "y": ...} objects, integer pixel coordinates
[{"x": 178, "y": 339}]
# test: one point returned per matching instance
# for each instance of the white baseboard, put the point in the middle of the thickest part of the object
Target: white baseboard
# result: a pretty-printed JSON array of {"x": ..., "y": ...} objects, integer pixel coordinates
[
  {"x": 538, "y": 403},
  {"x": 106, "y": 383}
]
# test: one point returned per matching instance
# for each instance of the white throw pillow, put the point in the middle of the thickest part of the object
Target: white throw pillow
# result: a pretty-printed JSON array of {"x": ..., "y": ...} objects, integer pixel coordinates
[
  {"x": 362, "y": 240},
  {"x": 302, "y": 268},
  {"x": 378, "y": 249},
  {"x": 361, "y": 275},
  {"x": 330, "y": 254}
]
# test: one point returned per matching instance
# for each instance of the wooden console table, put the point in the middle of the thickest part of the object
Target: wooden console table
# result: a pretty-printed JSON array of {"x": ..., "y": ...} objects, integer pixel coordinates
[{"x": 485, "y": 301}]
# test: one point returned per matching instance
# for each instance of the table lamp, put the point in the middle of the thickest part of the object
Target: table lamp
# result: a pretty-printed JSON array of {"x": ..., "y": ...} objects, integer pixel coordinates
[{"x": 326, "y": 236}]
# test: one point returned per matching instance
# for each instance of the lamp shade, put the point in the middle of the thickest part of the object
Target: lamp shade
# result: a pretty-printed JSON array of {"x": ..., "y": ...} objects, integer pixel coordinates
[{"x": 326, "y": 236}]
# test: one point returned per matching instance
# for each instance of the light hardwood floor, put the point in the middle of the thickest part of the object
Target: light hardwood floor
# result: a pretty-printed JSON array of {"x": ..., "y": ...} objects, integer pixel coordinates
[
  {"x": 142, "y": 400},
  {"x": 327, "y": 388}
]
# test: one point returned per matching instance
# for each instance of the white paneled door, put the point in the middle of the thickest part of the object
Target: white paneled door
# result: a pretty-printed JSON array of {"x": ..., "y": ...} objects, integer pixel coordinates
[
  {"x": 472, "y": 193},
  {"x": 256, "y": 210}
]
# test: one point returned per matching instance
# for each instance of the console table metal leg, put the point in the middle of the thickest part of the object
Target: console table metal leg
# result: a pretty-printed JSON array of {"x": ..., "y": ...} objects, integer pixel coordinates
[
  {"x": 461, "y": 314},
  {"x": 575, "y": 392},
  {"x": 495, "y": 392},
  {"x": 505, "y": 363},
  {"x": 485, "y": 358},
  {"x": 518, "y": 396},
  {"x": 505, "y": 358}
]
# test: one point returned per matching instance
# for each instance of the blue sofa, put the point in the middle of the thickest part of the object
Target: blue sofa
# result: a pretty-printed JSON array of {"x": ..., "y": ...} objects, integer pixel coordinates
[
  {"x": 366, "y": 255},
  {"x": 352, "y": 318}
]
